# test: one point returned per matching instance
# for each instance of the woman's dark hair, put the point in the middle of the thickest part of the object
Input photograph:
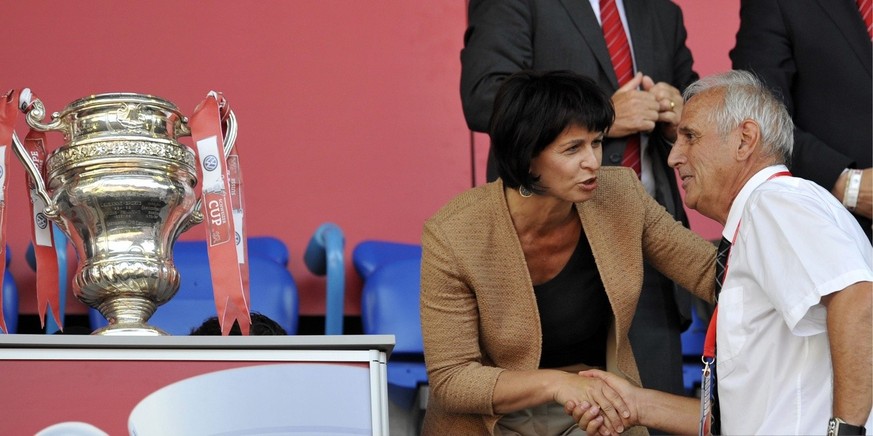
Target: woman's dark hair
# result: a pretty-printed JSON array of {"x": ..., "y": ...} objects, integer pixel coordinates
[{"x": 530, "y": 111}]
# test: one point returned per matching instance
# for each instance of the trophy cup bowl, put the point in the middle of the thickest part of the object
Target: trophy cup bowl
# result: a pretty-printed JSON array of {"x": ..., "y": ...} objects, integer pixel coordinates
[{"x": 122, "y": 189}]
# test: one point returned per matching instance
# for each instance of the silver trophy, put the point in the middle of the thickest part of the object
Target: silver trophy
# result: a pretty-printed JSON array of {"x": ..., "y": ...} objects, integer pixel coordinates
[{"x": 122, "y": 189}]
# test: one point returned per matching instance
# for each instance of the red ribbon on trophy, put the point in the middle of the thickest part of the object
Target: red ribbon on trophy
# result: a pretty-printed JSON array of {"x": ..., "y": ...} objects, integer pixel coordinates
[
  {"x": 234, "y": 173},
  {"x": 42, "y": 237},
  {"x": 8, "y": 116},
  {"x": 231, "y": 296}
]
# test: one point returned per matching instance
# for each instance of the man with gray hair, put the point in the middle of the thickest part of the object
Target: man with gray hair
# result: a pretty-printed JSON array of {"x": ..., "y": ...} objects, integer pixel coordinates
[{"x": 793, "y": 329}]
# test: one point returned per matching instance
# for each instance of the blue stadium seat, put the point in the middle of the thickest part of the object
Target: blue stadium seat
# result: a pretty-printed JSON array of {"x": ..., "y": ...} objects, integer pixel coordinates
[
  {"x": 369, "y": 255},
  {"x": 266, "y": 247},
  {"x": 391, "y": 273},
  {"x": 273, "y": 291},
  {"x": 10, "y": 298},
  {"x": 692, "y": 350}
]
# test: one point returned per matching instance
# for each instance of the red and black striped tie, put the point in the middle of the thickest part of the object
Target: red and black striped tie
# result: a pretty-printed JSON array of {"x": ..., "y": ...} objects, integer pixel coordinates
[{"x": 623, "y": 64}]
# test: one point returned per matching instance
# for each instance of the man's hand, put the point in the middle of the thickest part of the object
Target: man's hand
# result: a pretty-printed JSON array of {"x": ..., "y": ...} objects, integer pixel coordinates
[
  {"x": 674, "y": 414},
  {"x": 590, "y": 416},
  {"x": 635, "y": 110},
  {"x": 670, "y": 105},
  {"x": 594, "y": 391}
]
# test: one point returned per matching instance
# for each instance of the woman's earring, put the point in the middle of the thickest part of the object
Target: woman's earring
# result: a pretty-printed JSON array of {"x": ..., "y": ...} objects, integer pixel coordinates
[{"x": 524, "y": 192}]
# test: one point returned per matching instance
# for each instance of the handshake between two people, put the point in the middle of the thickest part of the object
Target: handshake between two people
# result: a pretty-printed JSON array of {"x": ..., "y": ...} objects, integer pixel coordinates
[{"x": 618, "y": 405}]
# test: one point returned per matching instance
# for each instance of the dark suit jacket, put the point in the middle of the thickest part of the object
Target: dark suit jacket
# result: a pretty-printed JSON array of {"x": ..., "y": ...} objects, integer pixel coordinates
[
  {"x": 506, "y": 36},
  {"x": 478, "y": 309},
  {"x": 817, "y": 55}
]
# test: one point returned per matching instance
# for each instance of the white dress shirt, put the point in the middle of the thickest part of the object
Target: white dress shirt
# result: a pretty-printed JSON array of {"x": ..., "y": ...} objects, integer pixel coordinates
[{"x": 793, "y": 243}]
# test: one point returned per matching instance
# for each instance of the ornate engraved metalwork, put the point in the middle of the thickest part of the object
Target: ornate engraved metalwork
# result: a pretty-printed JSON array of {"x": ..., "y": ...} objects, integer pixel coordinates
[{"x": 122, "y": 189}]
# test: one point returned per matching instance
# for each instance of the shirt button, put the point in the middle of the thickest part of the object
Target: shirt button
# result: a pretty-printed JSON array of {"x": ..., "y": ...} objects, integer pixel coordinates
[{"x": 615, "y": 158}]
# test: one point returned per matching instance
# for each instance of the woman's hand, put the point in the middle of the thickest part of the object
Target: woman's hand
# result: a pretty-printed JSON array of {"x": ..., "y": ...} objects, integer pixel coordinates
[
  {"x": 593, "y": 418},
  {"x": 588, "y": 417},
  {"x": 596, "y": 393}
]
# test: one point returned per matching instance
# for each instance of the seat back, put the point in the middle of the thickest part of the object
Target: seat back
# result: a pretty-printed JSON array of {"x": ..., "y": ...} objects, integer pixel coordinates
[
  {"x": 389, "y": 305},
  {"x": 391, "y": 273},
  {"x": 266, "y": 247},
  {"x": 369, "y": 255},
  {"x": 694, "y": 336},
  {"x": 692, "y": 348},
  {"x": 10, "y": 298},
  {"x": 272, "y": 288}
]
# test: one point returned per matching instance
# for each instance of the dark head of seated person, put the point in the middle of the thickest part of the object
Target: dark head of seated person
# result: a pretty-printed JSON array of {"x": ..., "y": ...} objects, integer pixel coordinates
[{"x": 262, "y": 325}]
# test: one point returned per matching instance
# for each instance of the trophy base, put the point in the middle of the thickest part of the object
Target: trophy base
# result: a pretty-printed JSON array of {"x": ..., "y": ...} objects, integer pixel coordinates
[{"x": 129, "y": 329}]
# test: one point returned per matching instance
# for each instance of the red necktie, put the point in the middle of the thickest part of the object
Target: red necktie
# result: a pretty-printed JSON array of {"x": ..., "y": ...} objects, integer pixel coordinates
[
  {"x": 866, "y": 8},
  {"x": 622, "y": 63}
]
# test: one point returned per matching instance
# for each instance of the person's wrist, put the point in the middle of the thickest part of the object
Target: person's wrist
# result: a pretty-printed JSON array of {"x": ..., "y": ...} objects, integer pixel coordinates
[
  {"x": 644, "y": 401},
  {"x": 840, "y": 185},
  {"x": 853, "y": 188},
  {"x": 836, "y": 426}
]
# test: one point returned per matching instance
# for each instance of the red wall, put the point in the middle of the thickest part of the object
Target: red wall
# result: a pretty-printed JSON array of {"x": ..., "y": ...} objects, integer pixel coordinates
[{"x": 348, "y": 110}]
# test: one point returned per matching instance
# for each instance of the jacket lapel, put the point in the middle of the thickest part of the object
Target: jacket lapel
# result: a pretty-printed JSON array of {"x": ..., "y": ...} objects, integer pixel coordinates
[
  {"x": 847, "y": 18},
  {"x": 586, "y": 23},
  {"x": 507, "y": 280},
  {"x": 622, "y": 286},
  {"x": 642, "y": 35}
]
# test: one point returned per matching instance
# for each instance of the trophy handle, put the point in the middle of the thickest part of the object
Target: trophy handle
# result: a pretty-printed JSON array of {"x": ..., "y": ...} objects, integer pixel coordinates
[
  {"x": 51, "y": 209},
  {"x": 32, "y": 106},
  {"x": 230, "y": 135},
  {"x": 228, "y": 116},
  {"x": 35, "y": 111}
]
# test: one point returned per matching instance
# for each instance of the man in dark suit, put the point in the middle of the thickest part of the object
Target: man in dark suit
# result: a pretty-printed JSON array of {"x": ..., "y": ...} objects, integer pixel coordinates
[
  {"x": 816, "y": 54},
  {"x": 505, "y": 36}
]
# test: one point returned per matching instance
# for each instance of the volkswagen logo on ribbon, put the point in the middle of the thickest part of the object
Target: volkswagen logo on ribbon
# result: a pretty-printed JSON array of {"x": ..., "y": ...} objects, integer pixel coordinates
[
  {"x": 41, "y": 220},
  {"x": 210, "y": 163}
]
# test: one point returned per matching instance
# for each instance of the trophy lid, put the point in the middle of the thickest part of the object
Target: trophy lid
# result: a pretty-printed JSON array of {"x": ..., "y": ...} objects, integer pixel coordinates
[{"x": 115, "y": 98}]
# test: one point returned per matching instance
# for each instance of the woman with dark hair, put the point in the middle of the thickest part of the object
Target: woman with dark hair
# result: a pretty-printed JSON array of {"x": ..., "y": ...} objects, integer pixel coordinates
[{"x": 532, "y": 278}]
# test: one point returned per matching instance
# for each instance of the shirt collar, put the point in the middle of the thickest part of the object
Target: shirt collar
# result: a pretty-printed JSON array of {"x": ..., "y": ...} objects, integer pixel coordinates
[{"x": 736, "y": 212}]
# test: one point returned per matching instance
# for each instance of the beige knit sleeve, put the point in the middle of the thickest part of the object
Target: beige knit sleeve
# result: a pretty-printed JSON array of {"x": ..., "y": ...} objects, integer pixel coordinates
[
  {"x": 676, "y": 251},
  {"x": 450, "y": 329}
]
